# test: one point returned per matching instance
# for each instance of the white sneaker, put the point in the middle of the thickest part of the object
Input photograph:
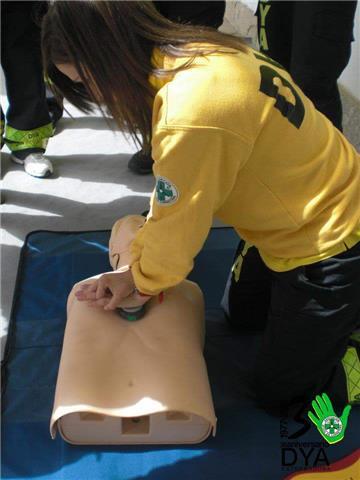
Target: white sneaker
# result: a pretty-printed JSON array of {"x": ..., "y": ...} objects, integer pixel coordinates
[{"x": 35, "y": 164}]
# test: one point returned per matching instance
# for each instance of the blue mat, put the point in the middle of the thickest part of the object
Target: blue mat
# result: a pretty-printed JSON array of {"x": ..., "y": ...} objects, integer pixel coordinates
[{"x": 250, "y": 445}]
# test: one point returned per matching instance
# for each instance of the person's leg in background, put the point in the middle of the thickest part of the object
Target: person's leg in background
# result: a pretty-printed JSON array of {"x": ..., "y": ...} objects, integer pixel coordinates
[
  {"x": 308, "y": 314},
  {"x": 321, "y": 49},
  {"x": 28, "y": 122},
  {"x": 312, "y": 40},
  {"x": 275, "y": 30},
  {"x": 206, "y": 13},
  {"x": 2, "y": 127}
]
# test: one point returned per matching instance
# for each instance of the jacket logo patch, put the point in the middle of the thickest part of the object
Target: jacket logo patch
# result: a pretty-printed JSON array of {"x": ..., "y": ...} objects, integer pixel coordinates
[{"x": 166, "y": 192}]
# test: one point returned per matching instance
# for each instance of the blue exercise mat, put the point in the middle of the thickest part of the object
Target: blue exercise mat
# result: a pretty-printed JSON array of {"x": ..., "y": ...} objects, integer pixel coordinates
[{"x": 249, "y": 445}]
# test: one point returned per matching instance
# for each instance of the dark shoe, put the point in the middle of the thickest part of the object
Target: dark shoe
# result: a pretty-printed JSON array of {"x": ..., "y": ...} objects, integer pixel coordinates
[{"x": 141, "y": 163}]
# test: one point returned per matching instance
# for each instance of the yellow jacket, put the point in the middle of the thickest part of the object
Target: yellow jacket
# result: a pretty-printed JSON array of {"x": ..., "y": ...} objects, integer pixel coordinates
[{"x": 234, "y": 138}]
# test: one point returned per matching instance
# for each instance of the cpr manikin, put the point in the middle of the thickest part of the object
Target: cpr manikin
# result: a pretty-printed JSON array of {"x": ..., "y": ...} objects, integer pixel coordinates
[{"x": 134, "y": 382}]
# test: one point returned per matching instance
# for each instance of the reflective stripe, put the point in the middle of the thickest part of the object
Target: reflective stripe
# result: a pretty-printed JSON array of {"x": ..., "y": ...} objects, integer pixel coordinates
[
  {"x": 351, "y": 366},
  {"x": 236, "y": 269},
  {"x": 48, "y": 81},
  {"x": 22, "y": 139},
  {"x": 2, "y": 132},
  {"x": 263, "y": 10}
]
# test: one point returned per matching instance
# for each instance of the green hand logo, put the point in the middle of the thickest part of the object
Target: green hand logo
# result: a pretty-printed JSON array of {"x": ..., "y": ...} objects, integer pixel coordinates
[{"x": 331, "y": 427}]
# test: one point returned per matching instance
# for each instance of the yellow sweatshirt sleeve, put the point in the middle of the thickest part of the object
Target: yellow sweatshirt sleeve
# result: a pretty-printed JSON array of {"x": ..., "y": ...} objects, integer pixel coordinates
[{"x": 194, "y": 175}]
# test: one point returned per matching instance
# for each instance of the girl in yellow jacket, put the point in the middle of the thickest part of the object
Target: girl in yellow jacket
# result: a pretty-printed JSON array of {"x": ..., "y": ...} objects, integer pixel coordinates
[{"x": 232, "y": 137}]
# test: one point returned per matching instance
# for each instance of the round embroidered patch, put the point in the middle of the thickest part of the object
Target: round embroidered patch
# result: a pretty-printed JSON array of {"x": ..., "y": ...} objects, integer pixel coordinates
[
  {"x": 166, "y": 191},
  {"x": 331, "y": 426}
]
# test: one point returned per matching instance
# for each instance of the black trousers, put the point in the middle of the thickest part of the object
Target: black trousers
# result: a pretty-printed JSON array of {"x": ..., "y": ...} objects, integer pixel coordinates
[
  {"x": 207, "y": 13},
  {"x": 312, "y": 40},
  {"x": 307, "y": 314},
  {"x": 21, "y": 61}
]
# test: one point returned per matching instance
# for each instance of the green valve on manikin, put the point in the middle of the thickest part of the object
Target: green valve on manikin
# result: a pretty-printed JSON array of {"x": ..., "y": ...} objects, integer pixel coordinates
[{"x": 132, "y": 314}]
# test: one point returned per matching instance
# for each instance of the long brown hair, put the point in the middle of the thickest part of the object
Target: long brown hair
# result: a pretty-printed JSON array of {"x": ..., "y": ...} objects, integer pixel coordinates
[{"x": 111, "y": 42}]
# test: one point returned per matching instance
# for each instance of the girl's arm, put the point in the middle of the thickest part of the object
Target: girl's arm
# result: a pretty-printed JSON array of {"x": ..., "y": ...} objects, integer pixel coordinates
[{"x": 195, "y": 169}]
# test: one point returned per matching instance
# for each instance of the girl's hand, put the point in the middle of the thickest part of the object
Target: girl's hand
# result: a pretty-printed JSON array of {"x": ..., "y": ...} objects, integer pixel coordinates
[{"x": 110, "y": 290}]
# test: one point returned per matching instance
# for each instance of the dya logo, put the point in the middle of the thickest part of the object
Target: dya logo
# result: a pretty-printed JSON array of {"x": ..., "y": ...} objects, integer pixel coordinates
[{"x": 331, "y": 427}]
